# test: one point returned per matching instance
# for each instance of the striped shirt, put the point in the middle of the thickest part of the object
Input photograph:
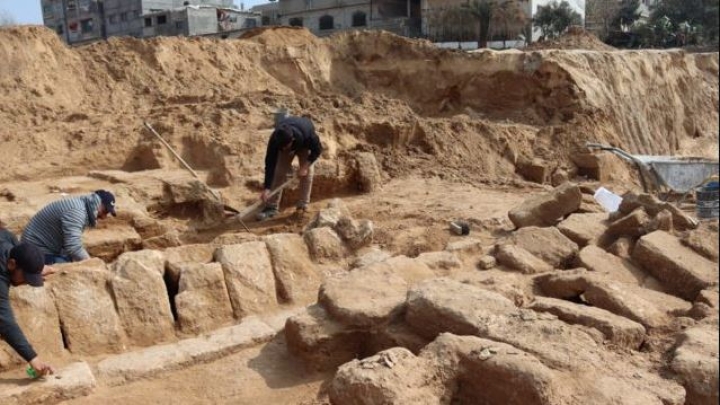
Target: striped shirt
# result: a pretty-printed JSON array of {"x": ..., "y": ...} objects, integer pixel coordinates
[{"x": 57, "y": 229}]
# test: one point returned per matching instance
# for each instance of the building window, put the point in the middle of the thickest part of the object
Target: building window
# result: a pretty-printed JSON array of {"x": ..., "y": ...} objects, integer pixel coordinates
[
  {"x": 265, "y": 20},
  {"x": 179, "y": 25},
  {"x": 47, "y": 11},
  {"x": 327, "y": 22},
  {"x": 250, "y": 23},
  {"x": 71, "y": 5},
  {"x": 359, "y": 19},
  {"x": 124, "y": 16},
  {"x": 296, "y": 22},
  {"x": 148, "y": 22},
  {"x": 112, "y": 19},
  {"x": 86, "y": 25},
  {"x": 161, "y": 19}
]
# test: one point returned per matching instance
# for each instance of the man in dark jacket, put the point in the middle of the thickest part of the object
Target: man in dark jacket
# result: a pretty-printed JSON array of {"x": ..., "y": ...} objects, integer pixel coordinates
[
  {"x": 57, "y": 228},
  {"x": 20, "y": 263},
  {"x": 293, "y": 136}
]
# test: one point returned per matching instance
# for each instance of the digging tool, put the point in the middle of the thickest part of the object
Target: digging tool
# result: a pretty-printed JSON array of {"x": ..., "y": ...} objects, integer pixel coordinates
[
  {"x": 247, "y": 211},
  {"x": 187, "y": 166}
]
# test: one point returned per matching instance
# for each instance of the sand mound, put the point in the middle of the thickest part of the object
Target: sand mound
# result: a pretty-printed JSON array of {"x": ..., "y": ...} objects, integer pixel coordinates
[
  {"x": 575, "y": 38},
  {"x": 280, "y": 36},
  {"x": 420, "y": 108}
]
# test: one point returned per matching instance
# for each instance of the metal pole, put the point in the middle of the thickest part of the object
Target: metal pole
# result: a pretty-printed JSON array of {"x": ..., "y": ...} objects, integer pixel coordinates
[{"x": 187, "y": 166}]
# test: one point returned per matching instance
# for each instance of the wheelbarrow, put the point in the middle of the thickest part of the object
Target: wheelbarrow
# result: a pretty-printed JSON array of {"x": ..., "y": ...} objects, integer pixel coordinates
[{"x": 680, "y": 175}]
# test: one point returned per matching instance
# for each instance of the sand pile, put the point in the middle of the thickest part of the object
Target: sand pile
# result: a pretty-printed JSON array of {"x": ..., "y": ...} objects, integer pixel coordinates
[
  {"x": 417, "y": 107},
  {"x": 280, "y": 36},
  {"x": 575, "y": 38}
]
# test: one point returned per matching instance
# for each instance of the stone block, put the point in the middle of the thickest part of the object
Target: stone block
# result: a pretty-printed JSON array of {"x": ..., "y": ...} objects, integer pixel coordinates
[
  {"x": 394, "y": 376},
  {"x": 37, "y": 317},
  {"x": 88, "y": 319},
  {"x": 249, "y": 277},
  {"x": 546, "y": 209},
  {"x": 325, "y": 245},
  {"x": 109, "y": 243},
  {"x": 682, "y": 271},
  {"x": 297, "y": 279},
  {"x": 444, "y": 305},
  {"x": 696, "y": 362},
  {"x": 202, "y": 302},
  {"x": 321, "y": 341},
  {"x": 616, "y": 329},
  {"x": 75, "y": 380},
  {"x": 517, "y": 258},
  {"x": 584, "y": 229},
  {"x": 633, "y": 224},
  {"x": 364, "y": 298},
  {"x": 141, "y": 297},
  {"x": 549, "y": 244}
]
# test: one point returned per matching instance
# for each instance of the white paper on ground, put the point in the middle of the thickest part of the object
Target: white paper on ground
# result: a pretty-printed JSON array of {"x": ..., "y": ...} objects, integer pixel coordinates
[{"x": 607, "y": 199}]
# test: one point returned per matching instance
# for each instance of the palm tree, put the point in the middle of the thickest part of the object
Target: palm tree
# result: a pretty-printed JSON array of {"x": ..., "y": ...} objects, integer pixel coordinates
[{"x": 482, "y": 11}]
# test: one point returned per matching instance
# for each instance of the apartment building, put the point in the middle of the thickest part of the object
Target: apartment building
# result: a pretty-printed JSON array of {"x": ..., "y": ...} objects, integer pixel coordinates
[{"x": 79, "y": 21}]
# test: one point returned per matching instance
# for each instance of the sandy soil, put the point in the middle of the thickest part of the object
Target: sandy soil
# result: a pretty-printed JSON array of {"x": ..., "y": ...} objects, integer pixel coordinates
[{"x": 260, "y": 375}]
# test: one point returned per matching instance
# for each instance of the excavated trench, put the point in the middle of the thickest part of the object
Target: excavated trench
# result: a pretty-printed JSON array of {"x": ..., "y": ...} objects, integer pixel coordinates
[{"x": 388, "y": 109}]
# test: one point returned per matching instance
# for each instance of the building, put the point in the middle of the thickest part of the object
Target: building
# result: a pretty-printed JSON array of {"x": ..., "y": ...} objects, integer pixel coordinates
[
  {"x": 74, "y": 20},
  {"x": 438, "y": 20},
  {"x": 269, "y": 13},
  {"x": 323, "y": 17},
  {"x": 79, "y": 21}
]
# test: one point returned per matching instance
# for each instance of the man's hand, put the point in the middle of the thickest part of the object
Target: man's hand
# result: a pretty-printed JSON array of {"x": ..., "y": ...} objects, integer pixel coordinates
[
  {"x": 303, "y": 170},
  {"x": 265, "y": 195},
  {"x": 41, "y": 368},
  {"x": 47, "y": 271}
]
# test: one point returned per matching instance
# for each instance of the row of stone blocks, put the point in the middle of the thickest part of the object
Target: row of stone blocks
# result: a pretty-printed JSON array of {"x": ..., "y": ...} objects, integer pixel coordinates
[
  {"x": 81, "y": 378},
  {"x": 91, "y": 308}
]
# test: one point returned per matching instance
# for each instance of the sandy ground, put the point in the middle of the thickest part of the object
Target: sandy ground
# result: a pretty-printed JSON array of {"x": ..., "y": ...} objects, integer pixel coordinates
[{"x": 261, "y": 375}]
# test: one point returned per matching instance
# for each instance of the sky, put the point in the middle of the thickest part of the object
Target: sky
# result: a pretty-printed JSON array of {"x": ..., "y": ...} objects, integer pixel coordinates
[
  {"x": 28, "y": 11},
  {"x": 22, "y": 11}
]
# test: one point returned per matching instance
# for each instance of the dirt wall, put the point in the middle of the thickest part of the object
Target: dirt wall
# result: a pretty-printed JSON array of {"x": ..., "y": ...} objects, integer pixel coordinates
[{"x": 65, "y": 111}]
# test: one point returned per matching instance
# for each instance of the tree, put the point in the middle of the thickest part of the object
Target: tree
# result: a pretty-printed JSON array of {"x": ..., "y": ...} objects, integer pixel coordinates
[
  {"x": 6, "y": 18},
  {"x": 482, "y": 11},
  {"x": 627, "y": 14},
  {"x": 701, "y": 15},
  {"x": 555, "y": 18},
  {"x": 510, "y": 14},
  {"x": 599, "y": 15}
]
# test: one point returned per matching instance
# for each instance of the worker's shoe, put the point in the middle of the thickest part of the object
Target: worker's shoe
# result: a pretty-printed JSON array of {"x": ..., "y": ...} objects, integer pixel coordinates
[
  {"x": 301, "y": 207},
  {"x": 266, "y": 213}
]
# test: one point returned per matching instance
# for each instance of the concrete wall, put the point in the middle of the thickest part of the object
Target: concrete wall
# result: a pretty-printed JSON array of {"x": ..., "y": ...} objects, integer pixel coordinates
[
  {"x": 312, "y": 10},
  {"x": 149, "y": 6},
  {"x": 202, "y": 21},
  {"x": 123, "y": 17},
  {"x": 84, "y": 22}
]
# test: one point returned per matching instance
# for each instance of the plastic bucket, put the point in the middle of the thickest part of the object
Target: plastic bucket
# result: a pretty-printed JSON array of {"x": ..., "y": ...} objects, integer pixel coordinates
[
  {"x": 707, "y": 198},
  {"x": 607, "y": 199}
]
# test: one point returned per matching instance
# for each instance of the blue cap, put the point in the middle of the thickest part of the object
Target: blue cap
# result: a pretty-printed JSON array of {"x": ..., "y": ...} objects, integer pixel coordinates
[{"x": 108, "y": 200}]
